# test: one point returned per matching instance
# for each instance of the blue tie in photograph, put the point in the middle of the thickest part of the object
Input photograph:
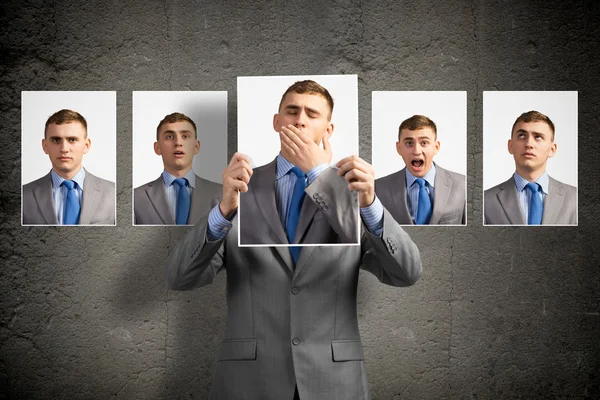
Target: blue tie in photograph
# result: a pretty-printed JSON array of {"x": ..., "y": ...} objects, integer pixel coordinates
[
  {"x": 183, "y": 202},
  {"x": 72, "y": 207},
  {"x": 293, "y": 214},
  {"x": 424, "y": 209},
  {"x": 536, "y": 209}
]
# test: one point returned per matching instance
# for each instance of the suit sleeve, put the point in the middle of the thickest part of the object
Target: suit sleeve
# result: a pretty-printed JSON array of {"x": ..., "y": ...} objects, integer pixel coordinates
[
  {"x": 393, "y": 258},
  {"x": 195, "y": 261},
  {"x": 330, "y": 193}
]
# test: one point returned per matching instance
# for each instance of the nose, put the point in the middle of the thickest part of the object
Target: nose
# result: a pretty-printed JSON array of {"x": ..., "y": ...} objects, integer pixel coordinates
[
  {"x": 417, "y": 149},
  {"x": 178, "y": 140},
  {"x": 300, "y": 120},
  {"x": 64, "y": 146},
  {"x": 530, "y": 141}
]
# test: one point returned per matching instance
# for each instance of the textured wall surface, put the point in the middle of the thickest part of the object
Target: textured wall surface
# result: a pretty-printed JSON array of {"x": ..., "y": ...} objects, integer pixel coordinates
[{"x": 498, "y": 313}]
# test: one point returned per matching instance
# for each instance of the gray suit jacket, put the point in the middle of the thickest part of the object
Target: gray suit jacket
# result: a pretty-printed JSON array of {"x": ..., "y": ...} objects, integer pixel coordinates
[
  {"x": 97, "y": 207},
  {"x": 449, "y": 205},
  {"x": 332, "y": 218},
  {"x": 151, "y": 206},
  {"x": 501, "y": 204},
  {"x": 291, "y": 326}
]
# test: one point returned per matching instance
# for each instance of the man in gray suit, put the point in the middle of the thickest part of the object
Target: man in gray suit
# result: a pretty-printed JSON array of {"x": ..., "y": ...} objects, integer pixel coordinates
[
  {"x": 68, "y": 194},
  {"x": 177, "y": 196},
  {"x": 531, "y": 196},
  {"x": 292, "y": 330},
  {"x": 422, "y": 192}
]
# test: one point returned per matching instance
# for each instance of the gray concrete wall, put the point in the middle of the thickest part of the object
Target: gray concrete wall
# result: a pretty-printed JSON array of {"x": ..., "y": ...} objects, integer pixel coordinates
[{"x": 498, "y": 313}]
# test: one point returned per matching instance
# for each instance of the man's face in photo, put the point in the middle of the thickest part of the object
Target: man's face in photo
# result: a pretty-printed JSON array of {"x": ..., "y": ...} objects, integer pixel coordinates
[
  {"x": 308, "y": 112},
  {"x": 417, "y": 148},
  {"x": 531, "y": 144},
  {"x": 177, "y": 144},
  {"x": 66, "y": 144}
]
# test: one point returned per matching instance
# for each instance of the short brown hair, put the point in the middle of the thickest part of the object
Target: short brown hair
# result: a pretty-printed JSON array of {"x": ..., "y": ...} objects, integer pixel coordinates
[
  {"x": 310, "y": 87},
  {"x": 175, "y": 117},
  {"x": 533, "y": 116},
  {"x": 417, "y": 122},
  {"x": 65, "y": 116}
]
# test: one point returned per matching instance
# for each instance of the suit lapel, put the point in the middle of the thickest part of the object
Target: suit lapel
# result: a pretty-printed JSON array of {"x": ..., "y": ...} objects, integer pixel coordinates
[
  {"x": 91, "y": 197},
  {"x": 45, "y": 200},
  {"x": 196, "y": 209},
  {"x": 158, "y": 198},
  {"x": 400, "y": 203},
  {"x": 264, "y": 195},
  {"x": 443, "y": 187},
  {"x": 507, "y": 197},
  {"x": 307, "y": 213},
  {"x": 304, "y": 256},
  {"x": 553, "y": 202}
]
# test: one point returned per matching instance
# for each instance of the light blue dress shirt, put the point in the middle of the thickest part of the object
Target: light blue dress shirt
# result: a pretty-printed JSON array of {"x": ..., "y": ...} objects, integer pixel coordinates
[
  {"x": 172, "y": 189},
  {"x": 218, "y": 226},
  {"x": 524, "y": 194},
  {"x": 59, "y": 192},
  {"x": 412, "y": 190}
]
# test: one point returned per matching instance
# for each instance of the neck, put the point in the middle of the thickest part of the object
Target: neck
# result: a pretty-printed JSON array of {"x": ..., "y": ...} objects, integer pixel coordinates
[
  {"x": 178, "y": 173},
  {"x": 530, "y": 175},
  {"x": 68, "y": 175}
]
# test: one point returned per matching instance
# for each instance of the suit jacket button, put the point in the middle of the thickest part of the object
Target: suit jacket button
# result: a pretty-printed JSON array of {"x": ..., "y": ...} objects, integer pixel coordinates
[
  {"x": 295, "y": 341},
  {"x": 295, "y": 290},
  {"x": 316, "y": 196}
]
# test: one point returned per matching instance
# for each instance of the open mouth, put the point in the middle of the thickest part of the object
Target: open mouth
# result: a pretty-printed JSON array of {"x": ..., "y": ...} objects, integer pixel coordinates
[
  {"x": 179, "y": 154},
  {"x": 417, "y": 163}
]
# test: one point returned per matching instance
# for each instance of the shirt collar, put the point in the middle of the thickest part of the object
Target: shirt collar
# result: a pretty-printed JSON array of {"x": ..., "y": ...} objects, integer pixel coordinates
[
  {"x": 521, "y": 182},
  {"x": 57, "y": 180},
  {"x": 190, "y": 176},
  {"x": 283, "y": 166},
  {"x": 429, "y": 177}
]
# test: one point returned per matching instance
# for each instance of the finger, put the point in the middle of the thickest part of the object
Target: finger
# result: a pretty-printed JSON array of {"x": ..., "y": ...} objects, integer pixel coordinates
[
  {"x": 301, "y": 135},
  {"x": 356, "y": 175},
  {"x": 294, "y": 136},
  {"x": 346, "y": 160},
  {"x": 326, "y": 144},
  {"x": 234, "y": 184},
  {"x": 239, "y": 157},
  {"x": 243, "y": 163},
  {"x": 360, "y": 186},
  {"x": 287, "y": 139},
  {"x": 287, "y": 146}
]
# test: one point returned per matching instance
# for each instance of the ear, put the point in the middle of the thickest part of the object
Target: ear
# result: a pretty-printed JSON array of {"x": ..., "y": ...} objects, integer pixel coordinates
[
  {"x": 509, "y": 146},
  {"x": 329, "y": 130},
  {"x": 88, "y": 144},
  {"x": 437, "y": 147},
  {"x": 398, "y": 144},
  {"x": 157, "y": 149},
  {"x": 44, "y": 146},
  {"x": 276, "y": 126},
  {"x": 197, "y": 147},
  {"x": 553, "y": 149}
]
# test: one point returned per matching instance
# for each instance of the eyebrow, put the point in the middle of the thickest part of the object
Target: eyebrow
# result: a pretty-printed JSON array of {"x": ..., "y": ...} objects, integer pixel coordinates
[
  {"x": 181, "y": 131},
  {"x": 418, "y": 137},
  {"x": 63, "y": 137},
  {"x": 532, "y": 132},
  {"x": 308, "y": 109}
]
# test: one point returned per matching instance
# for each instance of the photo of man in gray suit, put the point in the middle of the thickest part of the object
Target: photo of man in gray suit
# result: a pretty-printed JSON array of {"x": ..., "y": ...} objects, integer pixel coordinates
[
  {"x": 178, "y": 195},
  {"x": 68, "y": 194},
  {"x": 292, "y": 329},
  {"x": 422, "y": 193},
  {"x": 531, "y": 196}
]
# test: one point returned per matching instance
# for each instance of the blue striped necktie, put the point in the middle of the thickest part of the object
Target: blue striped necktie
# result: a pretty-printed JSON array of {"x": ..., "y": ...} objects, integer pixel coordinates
[
  {"x": 72, "y": 207},
  {"x": 536, "y": 209},
  {"x": 183, "y": 202},
  {"x": 293, "y": 214},
  {"x": 424, "y": 207}
]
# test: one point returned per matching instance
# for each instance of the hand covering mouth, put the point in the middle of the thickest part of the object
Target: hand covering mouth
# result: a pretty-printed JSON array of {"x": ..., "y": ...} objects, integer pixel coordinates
[{"x": 417, "y": 163}]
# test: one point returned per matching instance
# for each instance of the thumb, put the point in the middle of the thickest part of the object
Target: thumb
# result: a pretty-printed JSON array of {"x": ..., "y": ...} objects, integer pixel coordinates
[{"x": 326, "y": 144}]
